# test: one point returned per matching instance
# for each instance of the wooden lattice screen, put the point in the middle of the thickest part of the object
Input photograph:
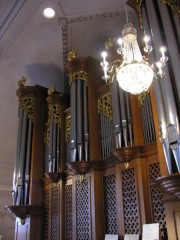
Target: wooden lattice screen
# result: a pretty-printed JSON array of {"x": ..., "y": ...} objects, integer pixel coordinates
[
  {"x": 156, "y": 199},
  {"x": 110, "y": 206},
  {"x": 46, "y": 215},
  {"x": 130, "y": 203},
  {"x": 69, "y": 212},
  {"x": 55, "y": 202},
  {"x": 83, "y": 227}
]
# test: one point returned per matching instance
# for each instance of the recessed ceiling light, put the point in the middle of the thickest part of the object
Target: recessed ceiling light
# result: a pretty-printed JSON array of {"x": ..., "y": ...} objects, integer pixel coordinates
[{"x": 49, "y": 13}]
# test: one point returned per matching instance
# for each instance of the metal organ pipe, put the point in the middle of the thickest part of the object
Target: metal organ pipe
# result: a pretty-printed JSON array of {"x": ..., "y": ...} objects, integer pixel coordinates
[
  {"x": 79, "y": 118},
  {"x": 116, "y": 114},
  {"x": 85, "y": 119},
  {"x": 173, "y": 49},
  {"x": 129, "y": 120},
  {"x": 21, "y": 177},
  {"x": 50, "y": 146},
  {"x": 28, "y": 160},
  {"x": 123, "y": 115},
  {"x": 54, "y": 147},
  {"x": 77, "y": 73},
  {"x": 58, "y": 148},
  {"x": 169, "y": 126},
  {"x": 16, "y": 165},
  {"x": 73, "y": 121},
  {"x": 55, "y": 102}
]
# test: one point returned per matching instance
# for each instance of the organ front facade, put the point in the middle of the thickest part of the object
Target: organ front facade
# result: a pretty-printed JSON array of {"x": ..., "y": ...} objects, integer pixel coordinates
[{"x": 97, "y": 161}]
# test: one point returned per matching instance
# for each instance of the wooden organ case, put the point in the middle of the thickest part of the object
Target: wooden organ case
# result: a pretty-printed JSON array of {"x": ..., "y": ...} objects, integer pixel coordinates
[
  {"x": 111, "y": 162},
  {"x": 98, "y": 162}
]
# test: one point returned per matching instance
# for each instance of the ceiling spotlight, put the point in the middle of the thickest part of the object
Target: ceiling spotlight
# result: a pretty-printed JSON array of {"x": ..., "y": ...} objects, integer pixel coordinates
[{"x": 49, "y": 13}]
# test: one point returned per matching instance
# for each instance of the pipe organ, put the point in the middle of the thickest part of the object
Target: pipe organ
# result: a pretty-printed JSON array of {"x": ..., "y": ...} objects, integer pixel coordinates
[{"x": 94, "y": 165}]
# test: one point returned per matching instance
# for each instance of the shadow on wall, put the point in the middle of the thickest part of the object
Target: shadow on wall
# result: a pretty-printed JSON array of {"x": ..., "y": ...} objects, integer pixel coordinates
[{"x": 45, "y": 75}]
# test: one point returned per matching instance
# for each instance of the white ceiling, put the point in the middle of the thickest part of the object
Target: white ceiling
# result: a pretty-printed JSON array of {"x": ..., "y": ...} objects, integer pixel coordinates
[{"x": 35, "y": 47}]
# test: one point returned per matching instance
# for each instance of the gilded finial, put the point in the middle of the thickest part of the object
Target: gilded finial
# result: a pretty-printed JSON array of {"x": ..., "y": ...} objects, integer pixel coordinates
[
  {"x": 72, "y": 54},
  {"x": 109, "y": 43},
  {"x": 126, "y": 165},
  {"x": 21, "y": 82},
  {"x": 51, "y": 90}
]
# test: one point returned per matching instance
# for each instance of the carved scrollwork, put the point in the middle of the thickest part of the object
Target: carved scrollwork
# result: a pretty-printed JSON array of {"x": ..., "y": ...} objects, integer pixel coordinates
[
  {"x": 28, "y": 104},
  {"x": 105, "y": 105},
  {"x": 47, "y": 136},
  {"x": 80, "y": 75},
  {"x": 68, "y": 128},
  {"x": 55, "y": 114}
]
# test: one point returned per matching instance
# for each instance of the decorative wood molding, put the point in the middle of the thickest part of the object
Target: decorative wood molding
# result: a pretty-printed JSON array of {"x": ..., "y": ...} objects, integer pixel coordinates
[
  {"x": 23, "y": 211},
  {"x": 169, "y": 184},
  {"x": 81, "y": 167},
  {"x": 119, "y": 155},
  {"x": 55, "y": 176}
]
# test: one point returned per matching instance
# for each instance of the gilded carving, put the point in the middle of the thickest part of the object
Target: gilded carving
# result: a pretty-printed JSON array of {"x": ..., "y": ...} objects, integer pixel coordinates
[
  {"x": 72, "y": 54},
  {"x": 27, "y": 104},
  {"x": 21, "y": 82},
  {"x": 137, "y": 5},
  {"x": 139, "y": 11},
  {"x": 68, "y": 128},
  {"x": 47, "y": 136},
  {"x": 141, "y": 97},
  {"x": 174, "y": 4},
  {"x": 55, "y": 114},
  {"x": 51, "y": 90},
  {"x": 105, "y": 105},
  {"x": 80, "y": 75}
]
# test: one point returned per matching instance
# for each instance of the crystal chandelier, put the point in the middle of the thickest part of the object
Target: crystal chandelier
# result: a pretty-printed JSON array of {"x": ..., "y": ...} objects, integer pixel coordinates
[{"x": 133, "y": 72}]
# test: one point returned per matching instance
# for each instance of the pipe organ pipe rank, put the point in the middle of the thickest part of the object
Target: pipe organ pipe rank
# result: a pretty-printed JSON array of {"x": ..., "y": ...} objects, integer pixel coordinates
[
  {"x": 164, "y": 92},
  {"x": 79, "y": 118}
]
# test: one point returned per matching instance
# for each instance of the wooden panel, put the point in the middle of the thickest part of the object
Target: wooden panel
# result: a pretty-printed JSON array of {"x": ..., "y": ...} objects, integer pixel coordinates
[{"x": 172, "y": 209}]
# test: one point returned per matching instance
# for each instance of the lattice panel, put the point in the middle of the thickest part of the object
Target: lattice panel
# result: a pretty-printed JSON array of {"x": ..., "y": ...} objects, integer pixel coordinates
[
  {"x": 156, "y": 199},
  {"x": 110, "y": 204},
  {"x": 130, "y": 203},
  {"x": 55, "y": 213},
  {"x": 69, "y": 213},
  {"x": 45, "y": 214},
  {"x": 83, "y": 210}
]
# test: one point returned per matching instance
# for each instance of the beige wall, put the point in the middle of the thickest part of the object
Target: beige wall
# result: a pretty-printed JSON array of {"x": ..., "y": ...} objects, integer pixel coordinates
[{"x": 7, "y": 221}]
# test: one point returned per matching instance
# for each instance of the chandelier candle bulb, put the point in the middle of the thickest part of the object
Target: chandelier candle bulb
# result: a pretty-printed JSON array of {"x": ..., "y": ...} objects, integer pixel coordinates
[
  {"x": 147, "y": 48},
  {"x": 120, "y": 42},
  {"x": 146, "y": 40},
  {"x": 134, "y": 73},
  {"x": 163, "y": 58},
  {"x": 120, "y": 49},
  {"x": 104, "y": 55}
]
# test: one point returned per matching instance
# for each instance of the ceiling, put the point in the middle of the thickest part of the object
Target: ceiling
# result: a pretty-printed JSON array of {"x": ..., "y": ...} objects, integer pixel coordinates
[{"x": 36, "y": 47}]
